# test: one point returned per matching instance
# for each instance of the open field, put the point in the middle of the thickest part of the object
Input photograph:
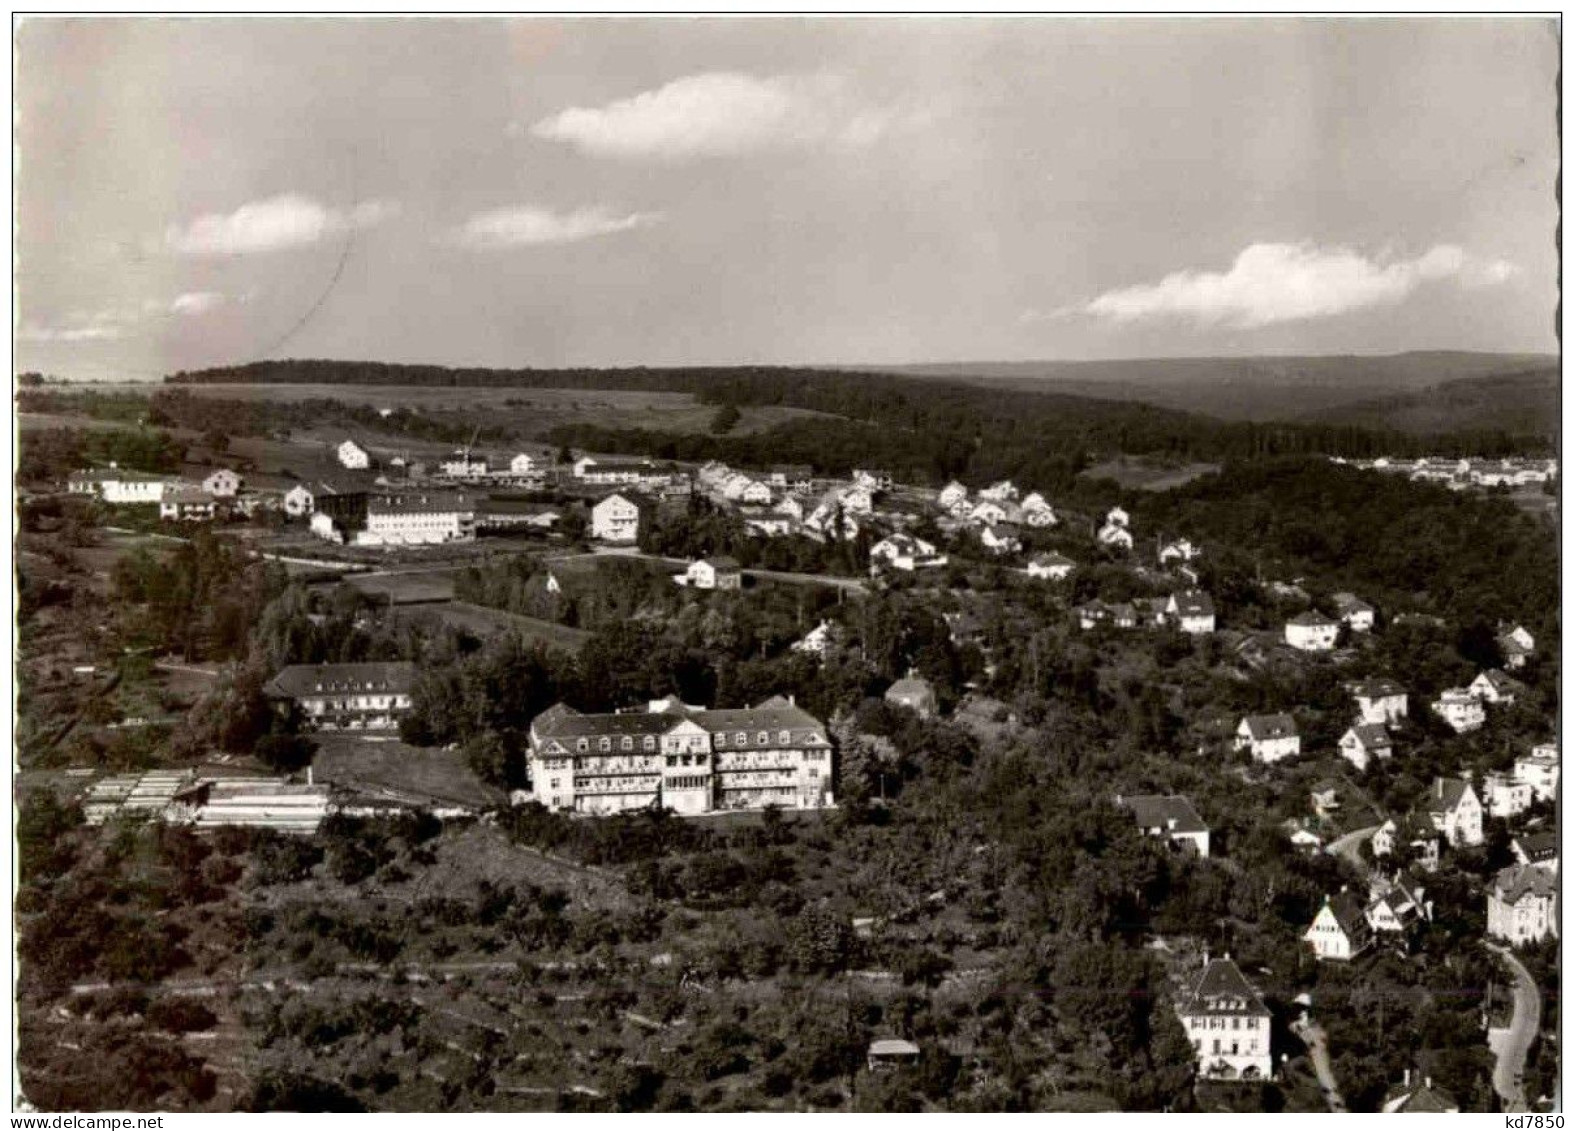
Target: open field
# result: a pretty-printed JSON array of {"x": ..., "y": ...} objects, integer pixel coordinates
[
  {"x": 489, "y": 622},
  {"x": 531, "y": 413},
  {"x": 373, "y": 766},
  {"x": 1143, "y": 475}
]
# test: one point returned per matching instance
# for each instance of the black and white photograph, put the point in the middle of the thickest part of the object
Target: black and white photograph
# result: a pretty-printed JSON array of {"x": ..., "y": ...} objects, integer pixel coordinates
[{"x": 808, "y": 563}]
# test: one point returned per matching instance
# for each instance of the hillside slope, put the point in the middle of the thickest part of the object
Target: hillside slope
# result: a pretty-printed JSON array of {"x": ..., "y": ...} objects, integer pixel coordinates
[
  {"x": 1524, "y": 403},
  {"x": 1240, "y": 388}
]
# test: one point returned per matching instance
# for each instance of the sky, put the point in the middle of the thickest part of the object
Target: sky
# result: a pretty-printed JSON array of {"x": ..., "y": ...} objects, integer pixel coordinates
[{"x": 554, "y": 192}]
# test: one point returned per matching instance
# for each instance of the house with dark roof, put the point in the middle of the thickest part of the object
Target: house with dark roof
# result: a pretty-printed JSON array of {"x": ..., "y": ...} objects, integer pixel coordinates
[
  {"x": 1270, "y": 738},
  {"x": 1353, "y": 611},
  {"x": 1339, "y": 931},
  {"x": 913, "y": 693},
  {"x": 1311, "y": 632},
  {"x": 1522, "y": 904},
  {"x": 366, "y": 696},
  {"x": 1396, "y": 904},
  {"x": 1172, "y": 817},
  {"x": 712, "y": 573},
  {"x": 1537, "y": 849},
  {"x": 1364, "y": 743},
  {"x": 1493, "y": 686},
  {"x": 1229, "y": 1027},
  {"x": 1190, "y": 611},
  {"x": 1454, "y": 810},
  {"x": 1517, "y": 646},
  {"x": 1380, "y": 700}
]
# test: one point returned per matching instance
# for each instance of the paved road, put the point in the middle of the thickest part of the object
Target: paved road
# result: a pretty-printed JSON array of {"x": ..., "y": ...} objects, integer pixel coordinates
[
  {"x": 1322, "y": 1064},
  {"x": 850, "y": 584},
  {"x": 1349, "y": 846},
  {"x": 1508, "y": 1076}
]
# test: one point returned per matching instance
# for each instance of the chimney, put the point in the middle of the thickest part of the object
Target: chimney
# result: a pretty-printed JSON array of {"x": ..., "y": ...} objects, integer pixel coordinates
[
  {"x": 308, "y": 775},
  {"x": 1407, "y": 1077}
]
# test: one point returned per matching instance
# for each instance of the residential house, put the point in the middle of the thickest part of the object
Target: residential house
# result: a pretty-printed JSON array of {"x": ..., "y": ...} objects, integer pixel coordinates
[
  {"x": 369, "y": 696},
  {"x": 1517, "y": 646},
  {"x": 1364, "y": 743},
  {"x": 353, "y": 456},
  {"x": 298, "y": 501},
  {"x": 1311, "y": 632},
  {"x": 873, "y": 480},
  {"x": 686, "y": 759},
  {"x": 952, "y": 494},
  {"x": 1381, "y": 700},
  {"x": 1494, "y": 687},
  {"x": 617, "y": 519},
  {"x": 1353, "y": 611},
  {"x": 915, "y": 694},
  {"x": 1460, "y": 709},
  {"x": 1416, "y": 832},
  {"x": 462, "y": 465},
  {"x": 1339, "y": 931},
  {"x": 1055, "y": 567},
  {"x": 1039, "y": 518},
  {"x": 1004, "y": 491},
  {"x": 1190, "y": 611},
  {"x": 1504, "y": 795},
  {"x": 1539, "y": 769},
  {"x": 1395, "y": 905},
  {"x": 1229, "y": 1027},
  {"x": 903, "y": 552},
  {"x": 1001, "y": 538},
  {"x": 1180, "y": 550},
  {"x": 767, "y": 523},
  {"x": 1270, "y": 738},
  {"x": 1325, "y": 798},
  {"x": 819, "y": 640},
  {"x": 183, "y": 503},
  {"x": 1455, "y": 811},
  {"x": 1537, "y": 849},
  {"x": 222, "y": 484},
  {"x": 1117, "y": 517},
  {"x": 1115, "y": 535},
  {"x": 1419, "y": 1098},
  {"x": 524, "y": 464},
  {"x": 890, "y": 1054},
  {"x": 1522, "y": 905},
  {"x": 712, "y": 573},
  {"x": 1172, "y": 817},
  {"x": 790, "y": 476},
  {"x": 987, "y": 512}
]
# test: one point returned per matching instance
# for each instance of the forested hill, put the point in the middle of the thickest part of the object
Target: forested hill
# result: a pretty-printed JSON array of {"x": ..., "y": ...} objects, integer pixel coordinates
[
  {"x": 1524, "y": 402},
  {"x": 922, "y": 430},
  {"x": 1245, "y": 388}
]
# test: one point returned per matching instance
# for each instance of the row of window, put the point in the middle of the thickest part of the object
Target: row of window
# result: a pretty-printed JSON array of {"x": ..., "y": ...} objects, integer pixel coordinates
[
  {"x": 741, "y": 738},
  {"x": 1219, "y": 1022}
]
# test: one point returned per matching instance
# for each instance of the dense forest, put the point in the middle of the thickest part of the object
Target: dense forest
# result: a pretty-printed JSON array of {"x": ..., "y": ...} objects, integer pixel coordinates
[{"x": 921, "y": 430}]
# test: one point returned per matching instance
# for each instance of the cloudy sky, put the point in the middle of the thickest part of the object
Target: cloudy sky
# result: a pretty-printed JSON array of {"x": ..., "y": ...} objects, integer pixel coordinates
[{"x": 605, "y": 192}]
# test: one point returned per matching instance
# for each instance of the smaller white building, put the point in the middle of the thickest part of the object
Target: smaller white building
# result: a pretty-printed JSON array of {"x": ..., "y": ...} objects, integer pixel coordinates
[
  {"x": 904, "y": 552},
  {"x": 1381, "y": 701},
  {"x": 1455, "y": 811},
  {"x": 712, "y": 573},
  {"x": 1353, "y": 611},
  {"x": 1054, "y": 567},
  {"x": 1504, "y": 795},
  {"x": 222, "y": 484},
  {"x": 299, "y": 501},
  {"x": 1311, "y": 632},
  {"x": 353, "y": 456},
  {"x": 1494, "y": 687},
  {"x": 1340, "y": 931},
  {"x": 1270, "y": 738},
  {"x": 1539, "y": 770},
  {"x": 1365, "y": 743},
  {"x": 616, "y": 519},
  {"x": 1460, "y": 710},
  {"x": 1522, "y": 905}
]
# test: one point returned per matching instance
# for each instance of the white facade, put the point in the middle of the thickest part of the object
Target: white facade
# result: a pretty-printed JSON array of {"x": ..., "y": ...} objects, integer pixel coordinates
[
  {"x": 1381, "y": 701},
  {"x": 1455, "y": 811},
  {"x": 708, "y": 573},
  {"x": 353, "y": 456},
  {"x": 222, "y": 484},
  {"x": 1539, "y": 770},
  {"x": 903, "y": 552},
  {"x": 1004, "y": 491},
  {"x": 1311, "y": 632},
  {"x": 1460, "y": 710},
  {"x": 1051, "y": 566},
  {"x": 298, "y": 501},
  {"x": 614, "y": 519},
  {"x": 1339, "y": 931},
  {"x": 1522, "y": 905},
  {"x": 1270, "y": 738},
  {"x": 1229, "y": 1027},
  {"x": 522, "y": 464},
  {"x": 1114, "y": 534},
  {"x": 1503, "y": 795}
]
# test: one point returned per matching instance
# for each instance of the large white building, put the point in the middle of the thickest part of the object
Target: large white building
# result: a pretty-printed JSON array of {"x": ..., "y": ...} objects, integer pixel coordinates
[
  {"x": 1270, "y": 738},
  {"x": 1229, "y": 1027},
  {"x": 1460, "y": 709},
  {"x": 418, "y": 518},
  {"x": 1172, "y": 817},
  {"x": 1340, "y": 930},
  {"x": 1522, "y": 904},
  {"x": 1380, "y": 701},
  {"x": 1539, "y": 770},
  {"x": 117, "y": 487},
  {"x": 1455, "y": 811},
  {"x": 353, "y": 456},
  {"x": 616, "y": 518},
  {"x": 369, "y": 696},
  {"x": 680, "y": 757}
]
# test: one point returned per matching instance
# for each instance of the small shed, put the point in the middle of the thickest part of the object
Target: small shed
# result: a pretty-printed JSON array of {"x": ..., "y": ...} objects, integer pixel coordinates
[{"x": 890, "y": 1053}]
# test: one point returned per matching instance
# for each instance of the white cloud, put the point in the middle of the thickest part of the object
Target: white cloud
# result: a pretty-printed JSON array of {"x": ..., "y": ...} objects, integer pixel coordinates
[
  {"x": 529, "y": 225},
  {"x": 723, "y": 114},
  {"x": 83, "y": 332},
  {"x": 195, "y": 302},
  {"x": 1271, "y": 283},
  {"x": 269, "y": 225}
]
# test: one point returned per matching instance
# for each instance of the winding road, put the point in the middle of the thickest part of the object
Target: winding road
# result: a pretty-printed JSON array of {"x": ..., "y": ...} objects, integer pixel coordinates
[
  {"x": 1512, "y": 1047},
  {"x": 1322, "y": 1064}
]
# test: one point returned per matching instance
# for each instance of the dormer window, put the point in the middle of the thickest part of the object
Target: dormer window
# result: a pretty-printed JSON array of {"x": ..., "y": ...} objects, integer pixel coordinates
[
  {"x": 650, "y": 742},
  {"x": 741, "y": 738},
  {"x": 584, "y": 745},
  {"x": 784, "y": 737},
  {"x": 605, "y": 745},
  {"x": 763, "y": 737},
  {"x": 628, "y": 743}
]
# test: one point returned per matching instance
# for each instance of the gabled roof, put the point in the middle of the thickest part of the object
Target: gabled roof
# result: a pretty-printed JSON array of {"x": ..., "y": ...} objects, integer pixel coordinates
[
  {"x": 1311, "y": 619},
  {"x": 1222, "y": 988},
  {"x": 1193, "y": 603},
  {"x": 1051, "y": 560},
  {"x": 1500, "y": 683},
  {"x": 1154, "y": 811},
  {"x": 1270, "y": 726},
  {"x": 910, "y": 686},
  {"x": 1378, "y": 687},
  {"x": 1350, "y": 603},
  {"x": 723, "y": 565},
  {"x": 319, "y": 679},
  {"x": 1371, "y": 736},
  {"x": 1445, "y": 795},
  {"x": 1538, "y": 847},
  {"x": 1519, "y": 881},
  {"x": 1348, "y": 913}
]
